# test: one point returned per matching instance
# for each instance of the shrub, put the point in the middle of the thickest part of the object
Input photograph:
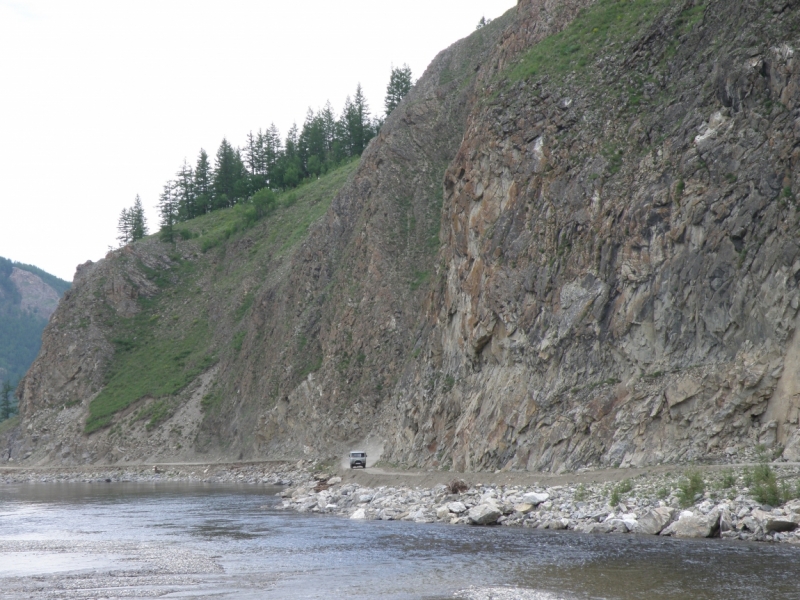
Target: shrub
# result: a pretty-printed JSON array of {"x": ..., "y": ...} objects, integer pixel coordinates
[
  {"x": 623, "y": 487},
  {"x": 728, "y": 479},
  {"x": 690, "y": 487},
  {"x": 581, "y": 493}
]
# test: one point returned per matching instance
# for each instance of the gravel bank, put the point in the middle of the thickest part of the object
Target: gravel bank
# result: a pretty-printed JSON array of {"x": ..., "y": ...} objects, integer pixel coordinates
[{"x": 682, "y": 503}]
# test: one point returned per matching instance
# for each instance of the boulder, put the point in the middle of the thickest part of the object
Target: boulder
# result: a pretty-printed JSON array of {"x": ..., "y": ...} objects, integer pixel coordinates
[
  {"x": 484, "y": 514},
  {"x": 456, "y": 507},
  {"x": 655, "y": 521},
  {"x": 534, "y": 498},
  {"x": 443, "y": 513},
  {"x": 690, "y": 525},
  {"x": 523, "y": 508},
  {"x": 780, "y": 525},
  {"x": 359, "y": 514},
  {"x": 334, "y": 480},
  {"x": 725, "y": 521}
]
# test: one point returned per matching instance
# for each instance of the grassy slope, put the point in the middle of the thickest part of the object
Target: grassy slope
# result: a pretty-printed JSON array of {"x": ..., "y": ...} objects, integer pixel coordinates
[
  {"x": 172, "y": 340},
  {"x": 601, "y": 26}
]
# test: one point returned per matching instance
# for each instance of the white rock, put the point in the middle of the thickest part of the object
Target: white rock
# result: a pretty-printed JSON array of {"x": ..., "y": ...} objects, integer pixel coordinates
[
  {"x": 359, "y": 514},
  {"x": 534, "y": 498},
  {"x": 654, "y": 521},
  {"x": 442, "y": 513},
  {"x": 364, "y": 498},
  {"x": 334, "y": 480},
  {"x": 456, "y": 507},
  {"x": 694, "y": 526},
  {"x": 484, "y": 514}
]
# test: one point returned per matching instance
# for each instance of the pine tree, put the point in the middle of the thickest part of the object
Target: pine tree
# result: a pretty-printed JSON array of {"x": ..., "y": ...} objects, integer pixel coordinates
[
  {"x": 5, "y": 399},
  {"x": 356, "y": 123},
  {"x": 228, "y": 171},
  {"x": 185, "y": 193},
  {"x": 124, "y": 227},
  {"x": 400, "y": 83},
  {"x": 168, "y": 209},
  {"x": 273, "y": 149},
  {"x": 202, "y": 184},
  {"x": 138, "y": 222}
]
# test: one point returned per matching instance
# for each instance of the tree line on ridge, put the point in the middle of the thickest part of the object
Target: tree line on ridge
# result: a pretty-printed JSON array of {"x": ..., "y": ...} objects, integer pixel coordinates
[{"x": 267, "y": 163}]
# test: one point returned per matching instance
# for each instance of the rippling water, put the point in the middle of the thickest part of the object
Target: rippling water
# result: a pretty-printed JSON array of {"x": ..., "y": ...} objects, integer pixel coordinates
[{"x": 214, "y": 541}]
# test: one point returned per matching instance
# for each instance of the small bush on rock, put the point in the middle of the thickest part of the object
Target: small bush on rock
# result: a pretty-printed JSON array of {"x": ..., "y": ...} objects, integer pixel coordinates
[
  {"x": 690, "y": 487},
  {"x": 623, "y": 487}
]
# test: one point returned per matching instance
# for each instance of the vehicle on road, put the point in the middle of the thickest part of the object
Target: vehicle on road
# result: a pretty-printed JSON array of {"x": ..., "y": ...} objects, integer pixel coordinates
[{"x": 358, "y": 458}]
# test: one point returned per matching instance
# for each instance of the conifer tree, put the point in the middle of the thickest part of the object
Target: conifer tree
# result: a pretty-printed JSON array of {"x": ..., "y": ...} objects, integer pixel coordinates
[
  {"x": 273, "y": 150},
  {"x": 124, "y": 227},
  {"x": 399, "y": 85},
  {"x": 228, "y": 171},
  {"x": 138, "y": 220},
  {"x": 202, "y": 184},
  {"x": 356, "y": 123},
  {"x": 5, "y": 399},
  {"x": 168, "y": 210},
  {"x": 185, "y": 193}
]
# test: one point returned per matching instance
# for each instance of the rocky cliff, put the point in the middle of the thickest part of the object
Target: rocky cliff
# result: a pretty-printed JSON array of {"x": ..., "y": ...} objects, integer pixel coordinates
[{"x": 572, "y": 244}]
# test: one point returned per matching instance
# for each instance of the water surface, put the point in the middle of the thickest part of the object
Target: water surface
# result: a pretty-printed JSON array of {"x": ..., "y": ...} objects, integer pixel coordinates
[{"x": 125, "y": 540}]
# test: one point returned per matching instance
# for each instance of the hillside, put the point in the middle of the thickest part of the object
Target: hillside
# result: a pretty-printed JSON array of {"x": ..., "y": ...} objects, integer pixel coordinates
[
  {"x": 573, "y": 244},
  {"x": 28, "y": 296}
]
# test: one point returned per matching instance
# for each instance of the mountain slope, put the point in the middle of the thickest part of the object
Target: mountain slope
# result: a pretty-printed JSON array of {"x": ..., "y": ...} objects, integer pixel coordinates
[
  {"x": 572, "y": 244},
  {"x": 28, "y": 296}
]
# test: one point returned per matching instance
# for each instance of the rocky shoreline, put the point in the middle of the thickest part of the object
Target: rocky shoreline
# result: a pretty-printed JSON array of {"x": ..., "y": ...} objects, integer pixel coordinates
[
  {"x": 685, "y": 503},
  {"x": 723, "y": 505}
]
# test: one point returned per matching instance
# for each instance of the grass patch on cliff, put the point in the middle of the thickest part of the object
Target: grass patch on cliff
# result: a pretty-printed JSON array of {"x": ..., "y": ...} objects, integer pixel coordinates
[
  {"x": 288, "y": 220},
  {"x": 603, "y": 25},
  {"x": 150, "y": 361},
  {"x": 9, "y": 424}
]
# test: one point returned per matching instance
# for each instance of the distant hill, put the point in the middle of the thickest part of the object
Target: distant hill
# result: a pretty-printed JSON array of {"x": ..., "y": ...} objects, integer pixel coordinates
[{"x": 28, "y": 297}]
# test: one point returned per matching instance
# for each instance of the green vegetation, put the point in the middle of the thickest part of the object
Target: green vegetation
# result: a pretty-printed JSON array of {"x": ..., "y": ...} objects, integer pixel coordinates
[
  {"x": 599, "y": 26},
  {"x": 728, "y": 480},
  {"x": 581, "y": 493},
  {"x": 20, "y": 330},
  {"x": 289, "y": 219},
  {"x": 419, "y": 278},
  {"x": 237, "y": 341},
  {"x": 400, "y": 83},
  {"x": 150, "y": 361},
  {"x": 622, "y": 488},
  {"x": 6, "y": 408},
  {"x": 132, "y": 224},
  {"x": 764, "y": 485},
  {"x": 170, "y": 341},
  {"x": 690, "y": 486}
]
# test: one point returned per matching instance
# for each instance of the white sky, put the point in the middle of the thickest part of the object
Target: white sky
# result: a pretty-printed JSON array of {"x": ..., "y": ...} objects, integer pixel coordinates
[{"x": 101, "y": 100}]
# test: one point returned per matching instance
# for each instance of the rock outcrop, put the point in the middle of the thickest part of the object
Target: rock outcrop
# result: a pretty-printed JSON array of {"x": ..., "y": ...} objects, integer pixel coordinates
[{"x": 537, "y": 265}]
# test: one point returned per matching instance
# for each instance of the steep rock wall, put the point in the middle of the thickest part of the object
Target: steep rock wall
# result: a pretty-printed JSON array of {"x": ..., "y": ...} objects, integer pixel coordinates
[{"x": 619, "y": 284}]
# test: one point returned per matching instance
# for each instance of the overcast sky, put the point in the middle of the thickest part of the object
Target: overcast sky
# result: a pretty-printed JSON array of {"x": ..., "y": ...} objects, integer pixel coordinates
[{"x": 102, "y": 100}]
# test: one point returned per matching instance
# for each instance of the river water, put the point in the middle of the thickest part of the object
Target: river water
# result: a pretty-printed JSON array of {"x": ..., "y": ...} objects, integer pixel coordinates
[{"x": 126, "y": 540}]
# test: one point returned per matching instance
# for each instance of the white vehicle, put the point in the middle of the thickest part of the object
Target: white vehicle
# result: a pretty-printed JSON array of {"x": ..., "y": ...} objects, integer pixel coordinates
[{"x": 358, "y": 458}]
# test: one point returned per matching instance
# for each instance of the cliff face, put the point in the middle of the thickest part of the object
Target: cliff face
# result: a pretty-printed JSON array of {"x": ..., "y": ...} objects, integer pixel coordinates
[
  {"x": 619, "y": 283},
  {"x": 560, "y": 251}
]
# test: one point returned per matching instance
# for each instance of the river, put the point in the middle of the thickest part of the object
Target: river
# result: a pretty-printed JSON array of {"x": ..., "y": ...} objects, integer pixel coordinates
[{"x": 167, "y": 540}]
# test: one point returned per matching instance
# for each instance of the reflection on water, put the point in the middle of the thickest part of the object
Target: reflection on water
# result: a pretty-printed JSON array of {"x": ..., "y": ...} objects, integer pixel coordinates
[{"x": 223, "y": 541}]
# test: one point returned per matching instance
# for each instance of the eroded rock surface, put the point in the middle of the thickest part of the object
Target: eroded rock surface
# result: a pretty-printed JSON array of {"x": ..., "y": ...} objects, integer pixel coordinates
[{"x": 585, "y": 267}]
